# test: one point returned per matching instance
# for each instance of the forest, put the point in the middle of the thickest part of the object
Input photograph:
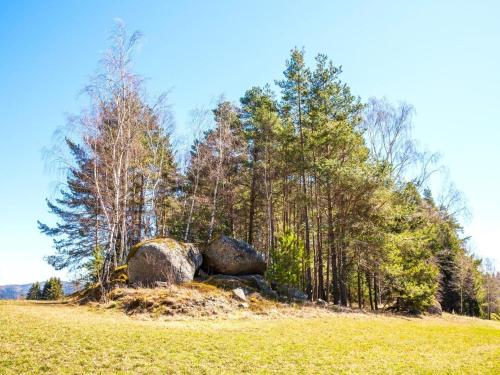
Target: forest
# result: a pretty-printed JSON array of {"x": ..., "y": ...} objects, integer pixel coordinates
[{"x": 333, "y": 189}]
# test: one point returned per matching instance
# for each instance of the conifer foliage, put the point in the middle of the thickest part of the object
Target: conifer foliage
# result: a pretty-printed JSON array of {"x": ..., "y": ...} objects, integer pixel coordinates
[
  {"x": 52, "y": 290},
  {"x": 34, "y": 293}
]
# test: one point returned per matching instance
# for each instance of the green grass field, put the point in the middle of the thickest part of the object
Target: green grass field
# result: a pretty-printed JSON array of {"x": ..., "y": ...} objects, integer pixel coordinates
[{"x": 54, "y": 338}]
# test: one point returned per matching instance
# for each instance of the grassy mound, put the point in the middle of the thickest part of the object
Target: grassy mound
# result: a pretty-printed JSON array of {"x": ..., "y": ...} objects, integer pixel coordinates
[{"x": 194, "y": 299}]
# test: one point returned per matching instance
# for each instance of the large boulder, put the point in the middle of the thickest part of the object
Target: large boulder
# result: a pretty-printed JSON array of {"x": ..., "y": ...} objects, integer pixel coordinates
[
  {"x": 163, "y": 260},
  {"x": 229, "y": 256}
]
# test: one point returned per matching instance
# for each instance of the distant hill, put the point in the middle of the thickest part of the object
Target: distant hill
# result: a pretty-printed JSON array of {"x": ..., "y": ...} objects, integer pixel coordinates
[{"x": 20, "y": 291}]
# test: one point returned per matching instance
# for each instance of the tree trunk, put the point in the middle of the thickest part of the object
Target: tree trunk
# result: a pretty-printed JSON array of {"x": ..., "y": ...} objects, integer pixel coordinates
[
  {"x": 214, "y": 207},
  {"x": 344, "y": 299},
  {"x": 331, "y": 248},
  {"x": 327, "y": 282},
  {"x": 360, "y": 298},
  {"x": 191, "y": 209},
  {"x": 305, "y": 197},
  {"x": 141, "y": 210},
  {"x": 369, "y": 285},
  {"x": 252, "y": 198},
  {"x": 321, "y": 287}
]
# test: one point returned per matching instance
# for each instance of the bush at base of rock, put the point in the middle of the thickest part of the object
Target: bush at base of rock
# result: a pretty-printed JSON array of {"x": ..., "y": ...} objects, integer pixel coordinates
[{"x": 119, "y": 276}]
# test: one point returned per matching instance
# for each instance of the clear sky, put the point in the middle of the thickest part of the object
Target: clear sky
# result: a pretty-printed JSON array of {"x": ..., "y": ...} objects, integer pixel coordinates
[{"x": 441, "y": 56}]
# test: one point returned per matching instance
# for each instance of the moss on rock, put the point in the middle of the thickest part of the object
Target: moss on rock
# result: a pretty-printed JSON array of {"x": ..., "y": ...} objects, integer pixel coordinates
[
  {"x": 163, "y": 260},
  {"x": 169, "y": 242}
]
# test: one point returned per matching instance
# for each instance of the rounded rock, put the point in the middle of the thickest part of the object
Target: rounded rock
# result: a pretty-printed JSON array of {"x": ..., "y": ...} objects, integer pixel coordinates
[
  {"x": 226, "y": 255},
  {"x": 163, "y": 260}
]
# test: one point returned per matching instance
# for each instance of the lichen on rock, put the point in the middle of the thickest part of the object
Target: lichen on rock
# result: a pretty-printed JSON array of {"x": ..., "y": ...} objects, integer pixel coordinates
[
  {"x": 163, "y": 259},
  {"x": 226, "y": 255}
]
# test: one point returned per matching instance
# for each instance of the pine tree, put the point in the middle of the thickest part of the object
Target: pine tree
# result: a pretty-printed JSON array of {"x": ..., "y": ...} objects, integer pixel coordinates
[
  {"x": 52, "y": 289},
  {"x": 260, "y": 119},
  {"x": 295, "y": 89},
  {"x": 34, "y": 292},
  {"x": 79, "y": 231}
]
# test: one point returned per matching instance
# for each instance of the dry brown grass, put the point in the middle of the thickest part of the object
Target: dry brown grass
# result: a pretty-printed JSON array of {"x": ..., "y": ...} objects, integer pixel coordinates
[
  {"x": 195, "y": 299},
  {"x": 190, "y": 300}
]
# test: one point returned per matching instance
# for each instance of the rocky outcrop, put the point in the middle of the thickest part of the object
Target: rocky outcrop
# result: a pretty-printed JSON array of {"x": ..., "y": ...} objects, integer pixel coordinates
[
  {"x": 249, "y": 283},
  {"x": 226, "y": 263},
  {"x": 290, "y": 292},
  {"x": 229, "y": 256},
  {"x": 163, "y": 260}
]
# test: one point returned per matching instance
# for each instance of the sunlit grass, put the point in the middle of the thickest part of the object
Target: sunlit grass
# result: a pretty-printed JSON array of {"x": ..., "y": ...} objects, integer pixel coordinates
[{"x": 52, "y": 338}]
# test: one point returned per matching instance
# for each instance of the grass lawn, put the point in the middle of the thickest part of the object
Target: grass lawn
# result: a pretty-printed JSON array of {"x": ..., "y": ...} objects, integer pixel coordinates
[{"x": 54, "y": 338}]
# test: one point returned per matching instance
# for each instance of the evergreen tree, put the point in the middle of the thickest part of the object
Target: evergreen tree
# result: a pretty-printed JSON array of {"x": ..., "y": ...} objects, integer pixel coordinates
[
  {"x": 295, "y": 89},
  {"x": 287, "y": 261},
  {"x": 34, "y": 293},
  {"x": 52, "y": 289},
  {"x": 79, "y": 231},
  {"x": 260, "y": 120}
]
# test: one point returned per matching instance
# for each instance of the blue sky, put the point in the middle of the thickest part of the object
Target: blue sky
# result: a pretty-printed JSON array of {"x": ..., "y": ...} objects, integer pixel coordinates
[{"x": 440, "y": 56}]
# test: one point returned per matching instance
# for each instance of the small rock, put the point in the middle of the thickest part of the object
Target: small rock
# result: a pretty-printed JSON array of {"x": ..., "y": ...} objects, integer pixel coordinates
[
  {"x": 161, "y": 284},
  {"x": 290, "y": 292},
  {"x": 243, "y": 305},
  {"x": 202, "y": 274},
  {"x": 246, "y": 282},
  {"x": 239, "y": 294},
  {"x": 321, "y": 302},
  {"x": 435, "y": 308}
]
